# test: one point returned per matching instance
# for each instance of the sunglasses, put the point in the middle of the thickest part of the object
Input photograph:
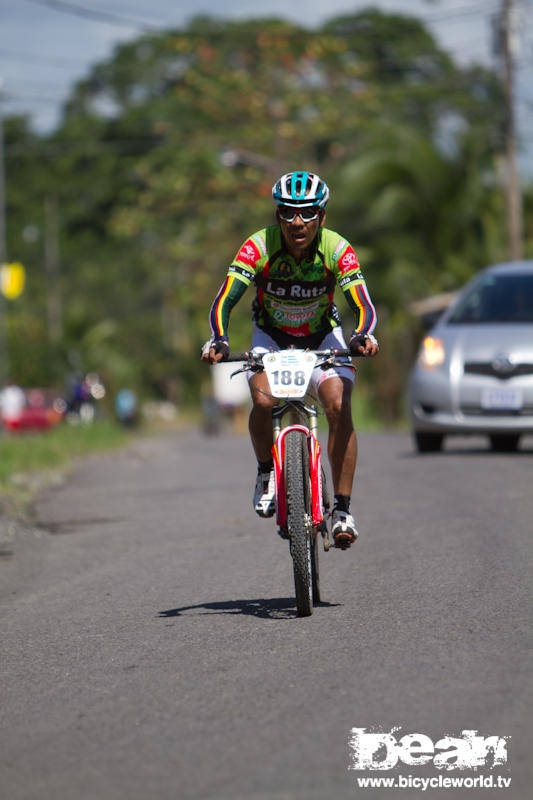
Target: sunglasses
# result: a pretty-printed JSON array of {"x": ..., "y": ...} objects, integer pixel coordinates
[{"x": 289, "y": 214}]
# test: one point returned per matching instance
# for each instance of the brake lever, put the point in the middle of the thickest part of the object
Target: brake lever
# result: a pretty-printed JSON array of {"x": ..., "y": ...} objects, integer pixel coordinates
[{"x": 251, "y": 366}]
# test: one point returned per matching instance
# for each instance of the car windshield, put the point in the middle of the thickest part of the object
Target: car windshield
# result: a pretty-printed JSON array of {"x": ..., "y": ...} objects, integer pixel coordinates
[{"x": 497, "y": 298}]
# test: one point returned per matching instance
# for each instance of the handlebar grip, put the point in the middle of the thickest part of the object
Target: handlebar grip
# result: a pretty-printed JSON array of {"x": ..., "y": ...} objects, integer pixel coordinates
[
  {"x": 237, "y": 357},
  {"x": 334, "y": 351},
  {"x": 343, "y": 352}
]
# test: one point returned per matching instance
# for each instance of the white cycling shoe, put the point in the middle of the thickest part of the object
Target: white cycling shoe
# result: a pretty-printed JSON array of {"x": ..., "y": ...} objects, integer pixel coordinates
[
  {"x": 343, "y": 530},
  {"x": 265, "y": 494}
]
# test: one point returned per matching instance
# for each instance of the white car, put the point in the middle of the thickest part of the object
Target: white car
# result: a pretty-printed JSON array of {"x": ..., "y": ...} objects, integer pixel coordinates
[{"x": 474, "y": 371}]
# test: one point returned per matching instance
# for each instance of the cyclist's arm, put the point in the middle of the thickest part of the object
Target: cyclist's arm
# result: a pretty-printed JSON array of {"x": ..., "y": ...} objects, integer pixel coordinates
[
  {"x": 353, "y": 285},
  {"x": 240, "y": 275},
  {"x": 229, "y": 294},
  {"x": 350, "y": 279},
  {"x": 358, "y": 298}
]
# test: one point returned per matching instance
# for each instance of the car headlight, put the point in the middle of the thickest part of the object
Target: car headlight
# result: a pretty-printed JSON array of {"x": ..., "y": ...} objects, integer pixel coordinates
[{"x": 432, "y": 353}]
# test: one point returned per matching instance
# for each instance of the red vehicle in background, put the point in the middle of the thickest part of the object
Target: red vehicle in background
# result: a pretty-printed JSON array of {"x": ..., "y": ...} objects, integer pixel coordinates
[{"x": 30, "y": 409}]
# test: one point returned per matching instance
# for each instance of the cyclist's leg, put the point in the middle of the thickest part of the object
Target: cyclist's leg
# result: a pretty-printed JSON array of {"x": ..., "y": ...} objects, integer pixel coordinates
[
  {"x": 260, "y": 422},
  {"x": 334, "y": 389},
  {"x": 335, "y": 396},
  {"x": 260, "y": 427}
]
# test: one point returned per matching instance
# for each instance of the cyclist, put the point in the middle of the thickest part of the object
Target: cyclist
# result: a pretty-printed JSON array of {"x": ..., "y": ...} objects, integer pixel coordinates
[{"x": 295, "y": 266}]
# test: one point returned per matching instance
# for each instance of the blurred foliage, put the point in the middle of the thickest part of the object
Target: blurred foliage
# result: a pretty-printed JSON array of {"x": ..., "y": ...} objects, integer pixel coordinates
[
  {"x": 164, "y": 163},
  {"x": 54, "y": 449}
]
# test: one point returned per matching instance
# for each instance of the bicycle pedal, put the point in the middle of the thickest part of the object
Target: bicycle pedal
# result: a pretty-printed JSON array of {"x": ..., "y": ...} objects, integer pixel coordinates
[{"x": 326, "y": 541}]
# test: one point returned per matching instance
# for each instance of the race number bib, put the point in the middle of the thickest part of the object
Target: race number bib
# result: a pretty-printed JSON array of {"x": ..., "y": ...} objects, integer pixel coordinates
[{"x": 289, "y": 372}]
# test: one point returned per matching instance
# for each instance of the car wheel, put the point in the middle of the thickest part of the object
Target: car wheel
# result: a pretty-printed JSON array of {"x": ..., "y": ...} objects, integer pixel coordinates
[
  {"x": 428, "y": 442},
  {"x": 504, "y": 442}
]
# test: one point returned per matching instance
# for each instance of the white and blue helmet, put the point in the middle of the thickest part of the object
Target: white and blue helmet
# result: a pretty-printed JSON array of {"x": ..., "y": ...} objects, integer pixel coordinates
[{"x": 300, "y": 189}]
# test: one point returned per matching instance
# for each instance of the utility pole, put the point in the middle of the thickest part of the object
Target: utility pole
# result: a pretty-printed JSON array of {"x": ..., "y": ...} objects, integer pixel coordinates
[
  {"x": 51, "y": 260},
  {"x": 3, "y": 253},
  {"x": 513, "y": 199}
]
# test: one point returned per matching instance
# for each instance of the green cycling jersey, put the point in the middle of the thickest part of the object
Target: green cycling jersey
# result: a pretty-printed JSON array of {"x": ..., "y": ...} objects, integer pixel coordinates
[{"x": 294, "y": 301}]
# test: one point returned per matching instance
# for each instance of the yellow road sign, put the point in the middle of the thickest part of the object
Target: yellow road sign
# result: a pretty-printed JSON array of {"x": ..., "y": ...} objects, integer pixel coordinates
[{"x": 12, "y": 280}]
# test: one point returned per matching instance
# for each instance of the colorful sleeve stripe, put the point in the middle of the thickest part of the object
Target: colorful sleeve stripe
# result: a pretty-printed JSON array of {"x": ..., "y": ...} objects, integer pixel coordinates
[
  {"x": 230, "y": 292},
  {"x": 365, "y": 313}
]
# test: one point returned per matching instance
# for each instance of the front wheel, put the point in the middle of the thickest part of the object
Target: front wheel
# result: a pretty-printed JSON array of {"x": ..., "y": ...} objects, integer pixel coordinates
[{"x": 299, "y": 521}]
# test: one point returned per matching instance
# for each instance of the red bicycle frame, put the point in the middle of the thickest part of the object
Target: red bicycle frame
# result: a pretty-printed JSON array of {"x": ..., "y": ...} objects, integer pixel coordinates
[{"x": 278, "y": 452}]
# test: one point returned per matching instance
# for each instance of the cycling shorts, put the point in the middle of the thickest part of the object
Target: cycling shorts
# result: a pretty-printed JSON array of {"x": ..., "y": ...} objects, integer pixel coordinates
[{"x": 263, "y": 343}]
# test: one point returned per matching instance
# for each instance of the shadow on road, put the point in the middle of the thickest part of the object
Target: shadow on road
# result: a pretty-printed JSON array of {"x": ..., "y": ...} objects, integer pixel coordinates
[{"x": 277, "y": 608}]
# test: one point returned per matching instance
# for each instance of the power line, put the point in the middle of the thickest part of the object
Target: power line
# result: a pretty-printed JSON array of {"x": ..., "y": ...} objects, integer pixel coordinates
[
  {"x": 459, "y": 13},
  {"x": 460, "y": 44},
  {"x": 136, "y": 8},
  {"x": 108, "y": 17},
  {"x": 111, "y": 17}
]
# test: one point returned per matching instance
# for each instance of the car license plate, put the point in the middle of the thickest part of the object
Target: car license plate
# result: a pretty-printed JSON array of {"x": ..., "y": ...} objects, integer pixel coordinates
[{"x": 501, "y": 400}]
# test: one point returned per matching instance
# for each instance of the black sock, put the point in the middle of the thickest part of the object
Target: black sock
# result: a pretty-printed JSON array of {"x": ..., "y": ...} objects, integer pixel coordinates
[
  {"x": 342, "y": 502},
  {"x": 266, "y": 466}
]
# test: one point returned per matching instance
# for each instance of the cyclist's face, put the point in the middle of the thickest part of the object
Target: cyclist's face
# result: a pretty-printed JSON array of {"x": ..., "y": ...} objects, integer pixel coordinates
[{"x": 299, "y": 234}]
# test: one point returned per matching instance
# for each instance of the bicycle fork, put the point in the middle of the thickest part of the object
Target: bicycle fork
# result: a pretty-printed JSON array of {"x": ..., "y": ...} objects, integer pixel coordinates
[{"x": 297, "y": 409}]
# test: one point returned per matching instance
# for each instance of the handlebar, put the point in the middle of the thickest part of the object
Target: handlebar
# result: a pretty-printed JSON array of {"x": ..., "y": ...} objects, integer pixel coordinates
[{"x": 332, "y": 352}]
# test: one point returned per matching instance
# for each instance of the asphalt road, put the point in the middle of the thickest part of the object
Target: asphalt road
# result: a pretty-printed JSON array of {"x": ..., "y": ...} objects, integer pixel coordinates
[{"x": 150, "y": 647}]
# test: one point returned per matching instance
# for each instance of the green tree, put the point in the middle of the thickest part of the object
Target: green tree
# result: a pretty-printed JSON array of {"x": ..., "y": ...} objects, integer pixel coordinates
[{"x": 166, "y": 156}]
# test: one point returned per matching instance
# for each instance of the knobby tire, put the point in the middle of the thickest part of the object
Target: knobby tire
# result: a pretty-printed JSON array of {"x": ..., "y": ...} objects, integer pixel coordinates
[{"x": 299, "y": 522}]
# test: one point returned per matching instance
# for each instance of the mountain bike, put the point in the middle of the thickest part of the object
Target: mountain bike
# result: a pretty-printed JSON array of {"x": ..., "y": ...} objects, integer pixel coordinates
[{"x": 302, "y": 501}]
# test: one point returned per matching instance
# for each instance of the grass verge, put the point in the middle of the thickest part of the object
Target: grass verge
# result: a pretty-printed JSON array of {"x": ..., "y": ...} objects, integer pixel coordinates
[{"x": 30, "y": 462}]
